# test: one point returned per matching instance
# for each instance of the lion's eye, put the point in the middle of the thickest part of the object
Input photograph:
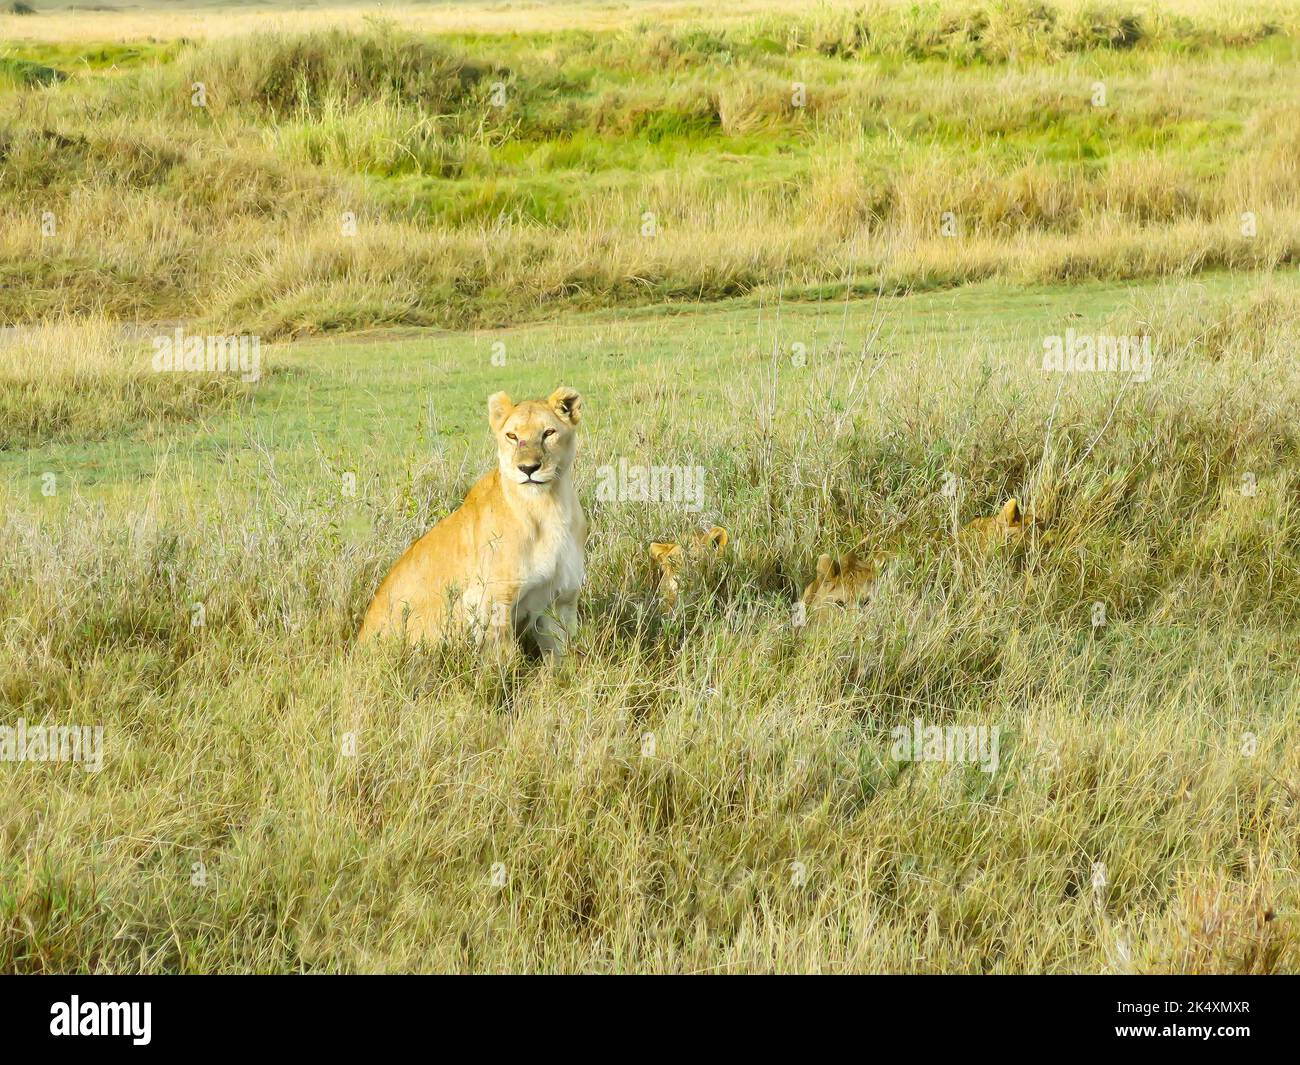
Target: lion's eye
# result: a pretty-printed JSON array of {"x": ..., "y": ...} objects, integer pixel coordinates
[
  {"x": 548, "y": 434},
  {"x": 511, "y": 436}
]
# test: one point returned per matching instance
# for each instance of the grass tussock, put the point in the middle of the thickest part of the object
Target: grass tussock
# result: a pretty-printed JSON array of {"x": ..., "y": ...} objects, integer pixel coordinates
[
  {"x": 1010, "y": 30},
  {"x": 713, "y": 790},
  {"x": 298, "y": 74}
]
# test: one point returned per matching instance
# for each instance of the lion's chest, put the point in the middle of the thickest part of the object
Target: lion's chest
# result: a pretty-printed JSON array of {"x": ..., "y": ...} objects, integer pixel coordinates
[{"x": 554, "y": 567}]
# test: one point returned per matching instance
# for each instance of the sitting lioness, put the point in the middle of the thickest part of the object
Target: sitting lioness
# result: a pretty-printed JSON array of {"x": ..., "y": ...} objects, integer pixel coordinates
[
  {"x": 508, "y": 564},
  {"x": 841, "y": 583},
  {"x": 670, "y": 557}
]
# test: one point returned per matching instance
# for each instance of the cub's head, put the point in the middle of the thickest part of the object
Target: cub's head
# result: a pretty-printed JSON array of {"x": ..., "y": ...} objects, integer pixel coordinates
[
  {"x": 670, "y": 558},
  {"x": 536, "y": 439},
  {"x": 841, "y": 582}
]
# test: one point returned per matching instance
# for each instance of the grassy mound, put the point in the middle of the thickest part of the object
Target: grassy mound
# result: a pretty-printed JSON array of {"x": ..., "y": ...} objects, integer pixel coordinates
[
  {"x": 285, "y": 74},
  {"x": 341, "y": 178},
  {"x": 23, "y": 72}
]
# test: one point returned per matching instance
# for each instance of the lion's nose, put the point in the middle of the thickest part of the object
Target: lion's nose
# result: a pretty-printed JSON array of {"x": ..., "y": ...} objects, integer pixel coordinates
[{"x": 529, "y": 468}]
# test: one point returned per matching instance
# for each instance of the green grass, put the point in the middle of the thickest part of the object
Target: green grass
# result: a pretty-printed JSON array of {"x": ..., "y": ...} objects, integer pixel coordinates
[
  {"x": 75, "y": 56},
  {"x": 323, "y": 395},
  {"x": 1122, "y": 746},
  {"x": 474, "y": 215},
  {"x": 24, "y": 72}
]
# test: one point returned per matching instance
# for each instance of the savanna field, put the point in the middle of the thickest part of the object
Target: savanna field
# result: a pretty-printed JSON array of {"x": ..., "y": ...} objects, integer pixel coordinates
[{"x": 817, "y": 252}]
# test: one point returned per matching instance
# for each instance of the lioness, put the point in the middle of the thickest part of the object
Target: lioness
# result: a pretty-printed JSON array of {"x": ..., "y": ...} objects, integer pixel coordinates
[
  {"x": 670, "y": 557},
  {"x": 509, "y": 562},
  {"x": 841, "y": 583}
]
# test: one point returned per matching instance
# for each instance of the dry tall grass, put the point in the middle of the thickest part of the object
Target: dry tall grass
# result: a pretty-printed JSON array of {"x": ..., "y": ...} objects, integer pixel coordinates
[
  {"x": 65, "y": 21},
  {"x": 713, "y": 791},
  {"x": 87, "y": 378}
]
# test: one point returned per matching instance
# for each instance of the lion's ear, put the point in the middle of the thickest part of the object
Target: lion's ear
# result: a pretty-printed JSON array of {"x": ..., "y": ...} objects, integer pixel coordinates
[
  {"x": 499, "y": 408},
  {"x": 567, "y": 404},
  {"x": 660, "y": 552},
  {"x": 827, "y": 567},
  {"x": 1011, "y": 512},
  {"x": 871, "y": 566},
  {"x": 715, "y": 538}
]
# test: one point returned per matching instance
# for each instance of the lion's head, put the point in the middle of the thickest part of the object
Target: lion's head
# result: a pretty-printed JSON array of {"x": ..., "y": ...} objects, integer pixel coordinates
[
  {"x": 670, "y": 559},
  {"x": 841, "y": 582},
  {"x": 536, "y": 439},
  {"x": 1007, "y": 526}
]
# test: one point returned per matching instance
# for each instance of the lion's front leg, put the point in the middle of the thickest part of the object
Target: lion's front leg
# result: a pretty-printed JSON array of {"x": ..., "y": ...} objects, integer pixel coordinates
[
  {"x": 490, "y": 611},
  {"x": 555, "y": 628}
]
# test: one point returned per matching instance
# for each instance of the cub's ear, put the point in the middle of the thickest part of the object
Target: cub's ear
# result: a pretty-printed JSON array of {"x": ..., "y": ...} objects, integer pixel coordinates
[
  {"x": 499, "y": 408},
  {"x": 827, "y": 567},
  {"x": 1010, "y": 514},
  {"x": 716, "y": 538},
  {"x": 567, "y": 404},
  {"x": 660, "y": 552}
]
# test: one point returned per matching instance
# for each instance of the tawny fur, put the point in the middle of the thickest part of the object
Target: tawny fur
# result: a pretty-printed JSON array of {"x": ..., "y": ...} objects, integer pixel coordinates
[
  {"x": 840, "y": 583},
  {"x": 1008, "y": 526},
  {"x": 671, "y": 557},
  {"x": 509, "y": 563}
]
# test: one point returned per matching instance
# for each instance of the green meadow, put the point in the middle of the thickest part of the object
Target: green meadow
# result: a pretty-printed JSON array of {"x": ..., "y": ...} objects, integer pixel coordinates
[
  {"x": 375, "y": 403},
  {"x": 346, "y": 178}
]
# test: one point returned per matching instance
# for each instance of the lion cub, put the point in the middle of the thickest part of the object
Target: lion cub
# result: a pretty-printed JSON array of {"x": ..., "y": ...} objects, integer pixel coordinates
[
  {"x": 508, "y": 564},
  {"x": 841, "y": 583},
  {"x": 1007, "y": 526},
  {"x": 670, "y": 558}
]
